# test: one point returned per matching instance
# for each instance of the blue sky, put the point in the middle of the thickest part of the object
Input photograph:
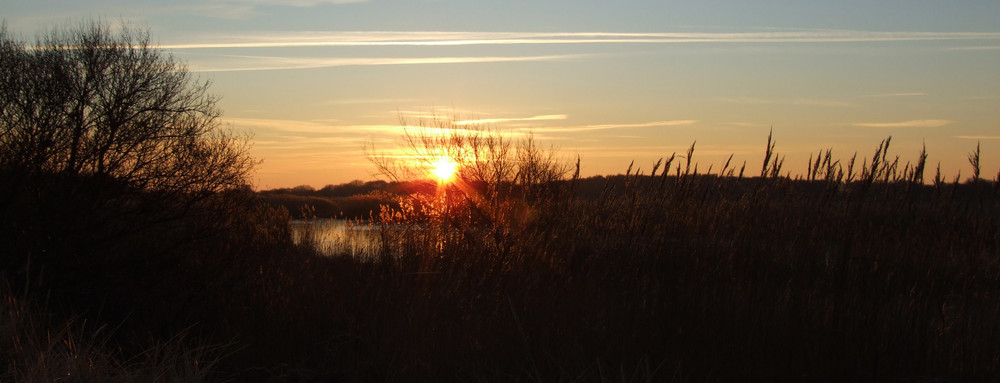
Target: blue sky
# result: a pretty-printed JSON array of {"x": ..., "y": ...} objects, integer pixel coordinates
[{"x": 612, "y": 81}]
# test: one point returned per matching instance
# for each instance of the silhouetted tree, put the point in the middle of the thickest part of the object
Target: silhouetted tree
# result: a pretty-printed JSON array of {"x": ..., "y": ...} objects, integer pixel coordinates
[
  {"x": 113, "y": 162},
  {"x": 484, "y": 154},
  {"x": 501, "y": 176},
  {"x": 91, "y": 101}
]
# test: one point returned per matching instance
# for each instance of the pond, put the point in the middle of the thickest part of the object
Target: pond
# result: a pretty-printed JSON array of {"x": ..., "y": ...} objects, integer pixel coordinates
[{"x": 339, "y": 236}]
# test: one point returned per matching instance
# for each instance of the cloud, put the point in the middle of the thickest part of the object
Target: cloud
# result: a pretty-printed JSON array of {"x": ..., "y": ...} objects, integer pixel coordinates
[
  {"x": 657, "y": 151},
  {"x": 978, "y": 48},
  {"x": 213, "y": 10},
  {"x": 979, "y": 137},
  {"x": 496, "y": 120},
  {"x": 274, "y": 130},
  {"x": 245, "y": 9},
  {"x": 434, "y": 113},
  {"x": 905, "y": 124},
  {"x": 439, "y": 38},
  {"x": 257, "y": 63},
  {"x": 901, "y": 94},
  {"x": 294, "y": 3},
  {"x": 230, "y": 9},
  {"x": 293, "y": 128},
  {"x": 612, "y": 126},
  {"x": 362, "y": 101},
  {"x": 789, "y": 101},
  {"x": 745, "y": 124}
]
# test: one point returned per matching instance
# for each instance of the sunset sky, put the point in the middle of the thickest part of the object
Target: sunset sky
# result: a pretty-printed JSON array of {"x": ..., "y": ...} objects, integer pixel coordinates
[{"x": 611, "y": 81}]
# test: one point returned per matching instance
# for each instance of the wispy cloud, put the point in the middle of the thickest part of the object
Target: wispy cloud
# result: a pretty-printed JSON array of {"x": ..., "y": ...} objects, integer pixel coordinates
[
  {"x": 901, "y": 94},
  {"x": 271, "y": 131},
  {"x": 788, "y": 101},
  {"x": 257, "y": 63},
  {"x": 387, "y": 38},
  {"x": 547, "y": 117},
  {"x": 293, "y": 3},
  {"x": 435, "y": 112},
  {"x": 905, "y": 124},
  {"x": 978, "y": 48},
  {"x": 979, "y": 137},
  {"x": 657, "y": 151},
  {"x": 363, "y": 101},
  {"x": 240, "y": 9},
  {"x": 612, "y": 126},
  {"x": 216, "y": 10},
  {"x": 293, "y": 128},
  {"x": 218, "y": 63},
  {"x": 745, "y": 124}
]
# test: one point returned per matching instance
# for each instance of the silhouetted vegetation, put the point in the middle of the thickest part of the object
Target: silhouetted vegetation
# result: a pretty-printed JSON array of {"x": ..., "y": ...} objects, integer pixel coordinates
[
  {"x": 353, "y": 200},
  {"x": 119, "y": 190},
  {"x": 520, "y": 270}
]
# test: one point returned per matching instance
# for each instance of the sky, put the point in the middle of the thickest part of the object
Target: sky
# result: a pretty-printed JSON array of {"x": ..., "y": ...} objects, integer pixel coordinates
[{"x": 316, "y": 81}]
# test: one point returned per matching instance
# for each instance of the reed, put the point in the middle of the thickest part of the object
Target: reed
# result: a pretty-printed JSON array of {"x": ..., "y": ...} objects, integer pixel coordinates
[
  {"x": 839, "y": 275},
  {"x": 38, "y": 348},
  {"x": 852, "y": 271}
]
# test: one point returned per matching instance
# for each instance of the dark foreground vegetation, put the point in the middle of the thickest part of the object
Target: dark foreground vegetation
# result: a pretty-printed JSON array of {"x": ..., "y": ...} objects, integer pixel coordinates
[{"x": 859, "y": 270}]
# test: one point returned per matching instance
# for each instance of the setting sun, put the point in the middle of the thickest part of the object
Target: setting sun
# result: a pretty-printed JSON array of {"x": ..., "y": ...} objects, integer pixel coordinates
[{"x": 444, "y": 169}]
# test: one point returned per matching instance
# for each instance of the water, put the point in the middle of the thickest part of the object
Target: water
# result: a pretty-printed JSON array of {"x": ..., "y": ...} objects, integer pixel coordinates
[{"x": 339, "y": 236}]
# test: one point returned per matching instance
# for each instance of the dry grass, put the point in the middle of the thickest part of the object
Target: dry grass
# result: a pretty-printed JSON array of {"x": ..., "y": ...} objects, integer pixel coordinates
[
  {"x": 39, "y": 350},
  {"x": 851, "y": 272},
  {"x": 856, "y": 271}
]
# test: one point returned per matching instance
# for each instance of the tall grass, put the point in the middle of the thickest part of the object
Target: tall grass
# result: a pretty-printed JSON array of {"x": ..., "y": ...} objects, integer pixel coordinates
[
  {"x": 854, "y": 271},
  {"x": 38, "y": 348},
  {"x": 857, "y": 270}
]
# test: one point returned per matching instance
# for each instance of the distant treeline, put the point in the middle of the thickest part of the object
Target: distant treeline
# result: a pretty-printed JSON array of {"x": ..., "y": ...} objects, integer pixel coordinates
[
  {"x": 354, "y": 200},
  {"x": 364, "y": 200}
]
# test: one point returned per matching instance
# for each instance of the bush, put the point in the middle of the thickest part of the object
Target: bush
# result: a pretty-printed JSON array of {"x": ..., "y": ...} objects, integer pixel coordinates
[{"x": 115, "y": 170}]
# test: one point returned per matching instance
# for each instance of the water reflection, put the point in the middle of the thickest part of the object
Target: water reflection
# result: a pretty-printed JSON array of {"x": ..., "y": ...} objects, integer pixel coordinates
[{"x": 338, "y": 236}]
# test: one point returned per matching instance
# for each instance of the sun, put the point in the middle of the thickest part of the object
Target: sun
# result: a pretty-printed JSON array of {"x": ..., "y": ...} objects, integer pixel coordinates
[{"x": 444, "y": 169}]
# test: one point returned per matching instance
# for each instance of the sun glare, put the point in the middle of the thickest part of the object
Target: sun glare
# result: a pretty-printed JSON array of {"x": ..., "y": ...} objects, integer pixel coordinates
[{"x": 444, "y": 169}]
